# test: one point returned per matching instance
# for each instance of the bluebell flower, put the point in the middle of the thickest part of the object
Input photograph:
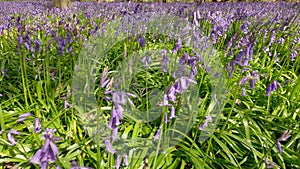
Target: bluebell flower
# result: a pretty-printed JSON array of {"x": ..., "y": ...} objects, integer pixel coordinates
[
  {"x": 11, "y": 139},
  {"x": 244, "y": 92},
  {"x": 177, "y": 46},
  {"x": 284, "y": 137},
  {"x": 294, "y": 55},
  {"x": 244, "y": 80},
  {"x": 109, "y": 148},
  {"x": 183, "y": 59},
  {"x": 272, "y": 87},
  {"x": 253, "y": 79},
  {"x": 23, "y": 117},
  {"x": 270, "y": 164},
  {"x": 205, "y": 123},
  {"x": 147, "y": 60},
  {"x": 37, "y": 125},
  {"x": 286, "y": 83},
  {"x": 48, "y": 152},
  {"x": 141, "y": 41},
  {"x": 172, "y": 112},
  {"x": 157, "y": 135},
  {"x": 118, "y": 161},
  {"x": 75, "y": 166}
]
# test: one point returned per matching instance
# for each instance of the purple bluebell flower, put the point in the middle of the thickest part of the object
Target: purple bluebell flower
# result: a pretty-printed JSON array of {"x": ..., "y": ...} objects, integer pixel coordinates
[
  {"x": 216, "y": 74},
  {"x": 228, "y": 69},
  {"x": 11, "y": 139},
  {"x": 4, "y": 71},
  {"x": 126, "y": 160},
  {"x": 67, "y": 104},
  {"x": 278, "y": 144},
  {"x": 272, "y": 87},
  {"x": 104, "y": 81},
  {"x": 177, "y": 46},
  {"x": 118, "y": 161},
  {"x": 286, "y": 83},
  {"x": 249, "y": 53},
  {"x": 109, "y": 148},
  {"x": 116, "y": 116},
  {"x": 205, "y": 123},
  {"x": 172, "y": 112},
  {"x": 194, "y": 72},
  {"x": 294, "y": 55},
  {"x": 192, "y": 61},
  {"x": 171, "y": 94},
  {"x": 49, "y": 150},
  {"x": 185, "y": 82},
  {"x": 75, "y": 166},
  {"x": 23, "y": 117},
  {"x": 253, "y": 79},
  {"x": 165, "y": 61},
  {"x": 244, "y": 92},
  {"x": 207, "y": 68},
  {"x": 157, "y": 135},
  {"x": 115, "y": 133},
  {"x": 195, "y": 21},
  {"x": 37, "y": 125},
  {"x": 166, "y": 120},
  {"x": 183, "y": 59},
  {"x": 118, "y": 98},
  {"x": 243, "y": 81},
  {"x": 37, "y": 45},
  {"x": 147, "y": 60},
  {"x": 238, "y": 58},
  {"x": 141, "y": 41},
  {"x": 270, "y": 164},
  {"x": 284, "y": 137}
]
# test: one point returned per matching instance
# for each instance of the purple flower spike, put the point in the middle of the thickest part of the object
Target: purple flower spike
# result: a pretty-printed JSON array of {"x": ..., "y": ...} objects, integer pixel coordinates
[
  {"x": 243, "y": 81},
  {"x": 272, "y": 87},
  {"x": 172, "y": 112},
  {"x": 11, "y": 139},
  {"x": 23, "y": 117},
  {"x": 294, "y": 55},
  {"x": 157, "y": 135},
  {"x": 104, "y": 81},
  {"x": 244, "y": 92},
  {"x": 177, "y": 46},
  {"x": 205, "y": 123},
  {"x": 48, "y": 152},
  {"x": 183, "y": 59},
  {"x": 118, "y": 162},
  {"x": 279, "y": 146},
  {"x": 284, "y": 137},
  {"x": 147, "y": 60},
  {"x": 126, "y": 160},
  {"x": 37, "y": 125},
  {"x": 253, "y": 80},
  {"x": 270, "y": 164},
  {"x": 67, "y": 104},
  {"x": 75, "y": 166},
  {"x": 109, "y": 148}
]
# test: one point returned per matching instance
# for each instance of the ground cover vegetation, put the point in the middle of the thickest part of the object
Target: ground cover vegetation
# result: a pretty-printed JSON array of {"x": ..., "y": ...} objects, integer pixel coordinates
[{"x": 258, "y": 45}]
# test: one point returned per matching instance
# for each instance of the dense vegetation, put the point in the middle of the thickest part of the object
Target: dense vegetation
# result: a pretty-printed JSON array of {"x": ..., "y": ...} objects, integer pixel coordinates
[{"x": 240, "y": 60}]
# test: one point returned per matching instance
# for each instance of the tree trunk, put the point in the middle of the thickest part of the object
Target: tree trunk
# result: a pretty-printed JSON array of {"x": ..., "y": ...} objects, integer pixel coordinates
[{"x": 62, "y": 3}]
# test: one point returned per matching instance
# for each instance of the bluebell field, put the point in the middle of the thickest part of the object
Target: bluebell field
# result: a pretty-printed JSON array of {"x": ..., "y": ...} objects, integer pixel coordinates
[{"x": 257, "y": 124}]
